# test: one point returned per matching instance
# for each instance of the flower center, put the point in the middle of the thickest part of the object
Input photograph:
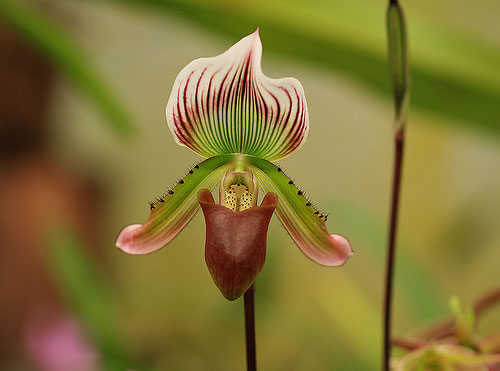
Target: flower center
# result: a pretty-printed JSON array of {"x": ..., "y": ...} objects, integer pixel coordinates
[{"x": 239, "y": 190}]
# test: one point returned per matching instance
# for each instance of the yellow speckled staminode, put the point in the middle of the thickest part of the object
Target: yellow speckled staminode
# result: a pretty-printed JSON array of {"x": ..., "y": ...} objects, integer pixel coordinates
[{"x": 239, "y": 190}]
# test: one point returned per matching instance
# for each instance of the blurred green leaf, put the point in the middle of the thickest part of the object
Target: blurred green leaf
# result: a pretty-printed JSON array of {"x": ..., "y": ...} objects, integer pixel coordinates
[
  {"x": 458, "y": 84},
  {"x": 413, "y": 281},
  {"x": 64, "y": 53},
  {"x": 88, "y": 294},
  {"x": 464, "y": 322},
  {"x": 361, "y": 333}
]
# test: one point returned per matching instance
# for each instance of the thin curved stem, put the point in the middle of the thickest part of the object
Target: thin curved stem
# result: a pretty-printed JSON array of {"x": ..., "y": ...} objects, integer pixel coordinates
[
  {"x": 391, "y": 250},
  {"x": 248, "y": 300},
  {"x": 409, "y": 344},
  {"x": 487, "y": 301},
  {"x": 399, "y": 72}
]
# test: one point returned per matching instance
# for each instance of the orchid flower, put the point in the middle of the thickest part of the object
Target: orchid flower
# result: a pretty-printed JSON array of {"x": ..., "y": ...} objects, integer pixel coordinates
[{"x": 225, "y": 109}]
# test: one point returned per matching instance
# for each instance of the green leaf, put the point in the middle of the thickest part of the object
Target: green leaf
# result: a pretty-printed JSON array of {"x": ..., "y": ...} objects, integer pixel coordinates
[
  {"x": 459, "y": 86},
  {"x": 464, "y": 322},
  {"x": 415, "y": 285},
  {"x": 64, "y": 53},
  {"x": 87, "y": 293}
]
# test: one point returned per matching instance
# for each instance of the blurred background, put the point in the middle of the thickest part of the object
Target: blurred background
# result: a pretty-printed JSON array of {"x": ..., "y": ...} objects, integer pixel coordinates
[{"x": 84, "y": 146}]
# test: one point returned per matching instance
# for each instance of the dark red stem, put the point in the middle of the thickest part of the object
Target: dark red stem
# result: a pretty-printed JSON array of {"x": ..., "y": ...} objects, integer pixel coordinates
[
  {"x": 248, "y": 300},
  {"x": 391, "y": 249},
  {"x": 409, "y": 344},
  {"x": 486, "y": 301}
]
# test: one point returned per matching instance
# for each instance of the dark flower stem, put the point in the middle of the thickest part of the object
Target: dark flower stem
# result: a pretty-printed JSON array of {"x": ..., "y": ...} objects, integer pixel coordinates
[
  {"x": 398, "y": 66},
  {"x": 391, "y": 249},
  {"x": 248, "y": 300}
]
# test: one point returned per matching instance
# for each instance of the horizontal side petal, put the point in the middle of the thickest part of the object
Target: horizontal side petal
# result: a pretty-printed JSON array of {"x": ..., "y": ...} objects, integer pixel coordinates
[
  {"x": 225, "y": 104},
  {"x": 171, "y": 212},
  {"x": 303, "y": 222}
]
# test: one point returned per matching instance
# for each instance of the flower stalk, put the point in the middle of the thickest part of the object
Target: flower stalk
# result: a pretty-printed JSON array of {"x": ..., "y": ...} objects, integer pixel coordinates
[
  {"x": 398, "y": 64},
  {"x": 391, "y": 248},
  {"x": 249, "y": 304}
]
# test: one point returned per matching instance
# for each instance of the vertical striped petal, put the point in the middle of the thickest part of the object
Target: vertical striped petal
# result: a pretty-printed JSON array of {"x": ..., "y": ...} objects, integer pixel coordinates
[
  {"x": 171, "y": 212},
  {"x": 303, "y": 222},
  {"x": 225, "y": 104}
]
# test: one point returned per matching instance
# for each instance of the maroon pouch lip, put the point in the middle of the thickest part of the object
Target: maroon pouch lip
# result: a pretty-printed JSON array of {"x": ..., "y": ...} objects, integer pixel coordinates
[{"x": 235, "y": 245}]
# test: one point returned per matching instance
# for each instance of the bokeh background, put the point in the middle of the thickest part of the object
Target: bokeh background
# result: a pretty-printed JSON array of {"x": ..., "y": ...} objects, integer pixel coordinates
[{"x": 84, "y": 146}]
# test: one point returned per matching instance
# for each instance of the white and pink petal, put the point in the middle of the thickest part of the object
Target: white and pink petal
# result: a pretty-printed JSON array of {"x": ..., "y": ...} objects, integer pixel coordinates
[{"x": 225, "y": 104}]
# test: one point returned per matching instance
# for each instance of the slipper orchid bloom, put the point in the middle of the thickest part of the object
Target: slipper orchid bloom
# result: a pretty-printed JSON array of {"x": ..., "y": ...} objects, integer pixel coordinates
[{"x": 226, "y": 110}]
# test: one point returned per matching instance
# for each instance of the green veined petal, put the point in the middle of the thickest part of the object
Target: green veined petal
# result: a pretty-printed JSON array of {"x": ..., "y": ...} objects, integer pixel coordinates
[
  {"x": 171, "y": 213},
  {"x": 305, "y": 224},
  {"x": 225, "y": 104}
]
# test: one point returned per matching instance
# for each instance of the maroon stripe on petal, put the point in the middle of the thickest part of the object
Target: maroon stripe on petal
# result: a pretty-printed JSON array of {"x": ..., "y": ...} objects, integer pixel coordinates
[{"x": 225, "y": 104}]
